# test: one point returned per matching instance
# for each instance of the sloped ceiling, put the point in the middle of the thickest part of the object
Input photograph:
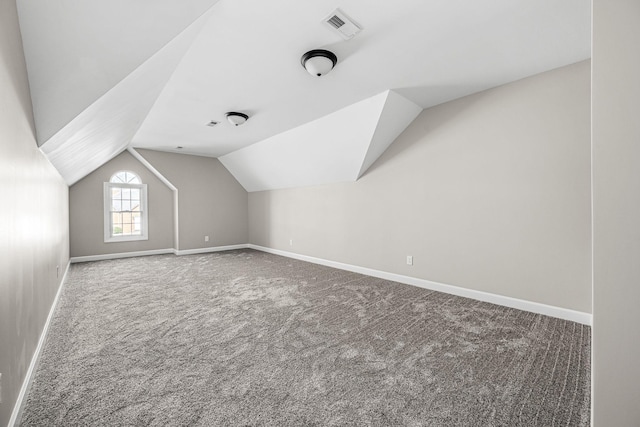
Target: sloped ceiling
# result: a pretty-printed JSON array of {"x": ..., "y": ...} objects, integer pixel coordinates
[
  {"x": 77, "y": 50},
  {"x": 105, "y": 128},
  {"x": 352, "y": 139},
  {"x": 107, "y": 75}
]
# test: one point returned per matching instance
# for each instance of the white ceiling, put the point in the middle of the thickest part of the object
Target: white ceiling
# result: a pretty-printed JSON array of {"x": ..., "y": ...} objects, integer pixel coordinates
[
  {"x": 244, "y": 55},
  {"x": 294, "y": 158},
  {"x": 105, "y": 128},
  {"x": 77, "y": 50}
]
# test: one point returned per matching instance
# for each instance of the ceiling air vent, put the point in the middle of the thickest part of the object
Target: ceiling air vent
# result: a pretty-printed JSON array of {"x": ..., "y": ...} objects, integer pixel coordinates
[{"x": 342, "y": 24}]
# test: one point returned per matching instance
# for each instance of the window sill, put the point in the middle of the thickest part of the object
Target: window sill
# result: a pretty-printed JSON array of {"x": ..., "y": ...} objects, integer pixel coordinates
[{"x": 125, "y": 239}]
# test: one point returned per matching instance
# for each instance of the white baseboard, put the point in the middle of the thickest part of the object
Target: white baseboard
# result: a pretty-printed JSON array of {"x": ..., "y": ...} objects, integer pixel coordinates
[
  {"x": 156, "y": 252},
  {"x": 121, "y": 255},
  {"x": 535, "y": 307},
  {"x": 211, "y": 249},
  {"x": 16, "y": 414}
]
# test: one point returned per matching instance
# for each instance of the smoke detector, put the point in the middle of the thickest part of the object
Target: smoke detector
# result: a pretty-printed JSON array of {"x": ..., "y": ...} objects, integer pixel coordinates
[{"x": 340, "y": 23}]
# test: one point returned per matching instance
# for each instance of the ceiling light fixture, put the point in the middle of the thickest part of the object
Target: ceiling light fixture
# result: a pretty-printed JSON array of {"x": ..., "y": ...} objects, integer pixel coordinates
[
  {"x": 319, "y": 62},
  {"x": 236, "y": 118}
]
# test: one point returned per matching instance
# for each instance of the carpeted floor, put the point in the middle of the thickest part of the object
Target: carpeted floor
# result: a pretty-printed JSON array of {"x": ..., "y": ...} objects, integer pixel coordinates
[{"x": 244, "y": 338}]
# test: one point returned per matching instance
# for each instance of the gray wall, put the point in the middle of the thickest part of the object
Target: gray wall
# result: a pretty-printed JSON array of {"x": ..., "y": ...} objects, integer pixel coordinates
[
  {"x": 211, "y": 202},
  {"x": 33, "y": 220},
  {"x": 490, "y": 192},
  {"x": 616, "y": 213},
  {"x": 86, "y": 214}
]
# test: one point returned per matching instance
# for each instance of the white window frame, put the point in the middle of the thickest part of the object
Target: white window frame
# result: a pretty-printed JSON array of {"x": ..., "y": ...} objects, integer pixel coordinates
[{"x": 108, "y": 236}]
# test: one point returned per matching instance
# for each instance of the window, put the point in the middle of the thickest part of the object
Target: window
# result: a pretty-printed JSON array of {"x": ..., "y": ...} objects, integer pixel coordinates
[{"x": 125, "y": 208}]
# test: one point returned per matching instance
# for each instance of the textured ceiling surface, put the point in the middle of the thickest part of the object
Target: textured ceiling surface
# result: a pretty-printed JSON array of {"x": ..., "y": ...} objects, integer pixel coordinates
[{"x": 108, "y": 75}]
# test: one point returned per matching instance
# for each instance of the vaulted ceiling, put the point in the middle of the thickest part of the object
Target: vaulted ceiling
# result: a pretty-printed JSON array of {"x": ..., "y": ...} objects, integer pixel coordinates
[{"x": 106, "y": 76}]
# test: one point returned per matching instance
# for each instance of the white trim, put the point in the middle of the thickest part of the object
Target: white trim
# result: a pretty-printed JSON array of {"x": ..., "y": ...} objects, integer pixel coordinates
[
  {"x": 212, "y": 249},
  {"x": 535, "y": 307},
  {"x": 121, "y": 255},
  {"x": 103, "y": 257},
  {"x": 16, "y": 414},
  {"x": 151, "y": 168},
  {"x": 176, "y": 221},
  {"x": 144, "y": 219},
  {"x": 593, "y": 231},
  {"x": 139, "y": 157}
]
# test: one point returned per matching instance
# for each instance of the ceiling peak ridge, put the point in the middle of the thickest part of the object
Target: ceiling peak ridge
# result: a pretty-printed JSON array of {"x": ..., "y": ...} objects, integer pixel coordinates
[
  {"x": 195, "y": 27},
  {"x": 107, "y": 126}
]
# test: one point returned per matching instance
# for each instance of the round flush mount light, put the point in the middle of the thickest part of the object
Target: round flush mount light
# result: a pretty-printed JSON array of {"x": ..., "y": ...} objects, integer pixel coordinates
[
  {"x": 236, "y": 118},
  {"x": 319, "y": 62}
]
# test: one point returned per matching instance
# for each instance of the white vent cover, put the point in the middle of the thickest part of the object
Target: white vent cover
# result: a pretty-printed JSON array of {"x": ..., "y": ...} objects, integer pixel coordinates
[{"x": 342, "y": 24}]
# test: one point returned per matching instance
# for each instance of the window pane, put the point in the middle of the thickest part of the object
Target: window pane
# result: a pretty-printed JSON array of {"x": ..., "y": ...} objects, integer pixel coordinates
[
  {"x": 125, "y": 205},
  {"x": 126, "y": 177},
  {"x": 137, "y": 227},
  {"x": 116, "y": 224},
  {"x": 132, "y": 178},
  {"x": 119, "y": 177}
]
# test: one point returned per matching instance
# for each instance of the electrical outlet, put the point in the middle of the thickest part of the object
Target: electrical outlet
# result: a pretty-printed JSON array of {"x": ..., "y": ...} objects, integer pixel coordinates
[
  {"x": 57, "y": 271},
  {"x": 290, "y": 242},
  {"x": 206, "y": 238},
  {"x": 409, "y": 260}
]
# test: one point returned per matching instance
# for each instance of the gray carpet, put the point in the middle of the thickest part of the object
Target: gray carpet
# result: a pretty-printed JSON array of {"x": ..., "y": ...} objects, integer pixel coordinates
[{"x": 246, "y": 338}]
